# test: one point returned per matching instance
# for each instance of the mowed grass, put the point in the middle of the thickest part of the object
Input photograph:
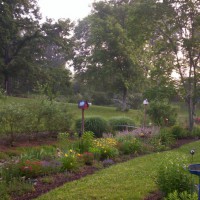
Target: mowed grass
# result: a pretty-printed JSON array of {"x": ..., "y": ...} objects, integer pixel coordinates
[
  {"x": 132, "y": 180},
  {"x": 104, "y": 112}
]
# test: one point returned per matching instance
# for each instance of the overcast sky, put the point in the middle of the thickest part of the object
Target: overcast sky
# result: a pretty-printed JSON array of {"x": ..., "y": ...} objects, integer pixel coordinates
[{"x": 73, "y": 9}]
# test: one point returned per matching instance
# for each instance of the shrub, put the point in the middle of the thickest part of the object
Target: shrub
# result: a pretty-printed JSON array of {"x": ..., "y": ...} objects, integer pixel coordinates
[
  {"x": 129, "y": 144},
  {"x": 196, "y": 132},
  {"x": 181, "y": 196},
  {"x": 173, "y": 175},
  {"x": 33, "y": 117},
  {"x": 155, "y": 144},
  {"x": 47, "y": 115},
  {"x": 86, "y": 141},
  {"x": 69, "y": 161},
  {"x": 12, "y": 117},
  {"x": 59, "y": 118},
  {"x": 97, "y": 125},
  {"x": 163, "y": 139},
  {"x": 88, "y": 158},
  {"x": 161, "y": 113},
  {"x": 178, "y": 132},
  {"x": 115, "y": 123},
  {"x": 106, "y": 147}
]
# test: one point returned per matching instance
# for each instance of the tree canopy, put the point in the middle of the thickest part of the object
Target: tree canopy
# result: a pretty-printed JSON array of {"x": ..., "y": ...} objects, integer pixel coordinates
[
  {"x": 26, "y": 43},
  {"x": 106, "y": 53},
  {"x": 175, "y": 44}
]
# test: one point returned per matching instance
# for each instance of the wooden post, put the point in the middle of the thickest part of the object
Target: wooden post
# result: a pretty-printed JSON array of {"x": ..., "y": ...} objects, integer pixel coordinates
[
  {"x": 145, "y": 103},
  {"x": 82, "y": 125},
  {"x": 144, "y": 115}
]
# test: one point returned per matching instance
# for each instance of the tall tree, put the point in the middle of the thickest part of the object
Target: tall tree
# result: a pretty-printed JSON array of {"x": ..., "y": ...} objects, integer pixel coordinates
[
  {"x": 176, "y": 30},
  {"x": 106, "y": 54},
  {"x": 19, "y": 23},
  {"x": 26, "y": 43}
]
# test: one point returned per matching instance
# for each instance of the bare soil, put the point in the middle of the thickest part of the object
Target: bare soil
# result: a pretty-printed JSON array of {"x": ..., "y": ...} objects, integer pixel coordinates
[{"x": 59, "y": 179}]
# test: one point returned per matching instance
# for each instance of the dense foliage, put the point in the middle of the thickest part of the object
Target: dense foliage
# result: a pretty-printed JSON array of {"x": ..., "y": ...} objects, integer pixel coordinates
[
  {"x": 30, "y": 50},
  {"x": 40, "y": 116},
  {"x": 162, "y": 113},
  {"x": 173, "y": 176},
  {"x": 97, "y": 125}
]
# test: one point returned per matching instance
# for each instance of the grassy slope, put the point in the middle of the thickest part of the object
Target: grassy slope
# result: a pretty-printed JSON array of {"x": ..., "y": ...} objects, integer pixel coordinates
[
  {"x": 108, "y": 112},
  {"x": 103, "y": 111},
  {"x": 130, "y": 180}
]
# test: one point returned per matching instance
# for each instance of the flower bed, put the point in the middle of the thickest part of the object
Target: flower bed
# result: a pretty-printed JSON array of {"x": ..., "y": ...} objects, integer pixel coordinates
[{"x": 71, "y": 156}]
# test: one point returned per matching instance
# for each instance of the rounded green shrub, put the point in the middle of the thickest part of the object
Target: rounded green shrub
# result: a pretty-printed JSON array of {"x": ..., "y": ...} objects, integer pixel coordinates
[
  {"x": 97, "y": 125},
  {"x": 116, "y": 123}
]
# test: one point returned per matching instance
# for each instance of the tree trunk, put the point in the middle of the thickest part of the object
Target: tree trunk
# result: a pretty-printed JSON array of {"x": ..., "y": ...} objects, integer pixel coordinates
[
  {"x": 124, "y": 100},
  {"x": 191, "y": 113},
  {"x": 6, "y": 83}
]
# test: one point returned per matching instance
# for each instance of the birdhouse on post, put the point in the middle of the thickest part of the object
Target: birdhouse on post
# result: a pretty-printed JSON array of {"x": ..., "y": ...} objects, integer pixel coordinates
[{"x": 83, "y": 105}]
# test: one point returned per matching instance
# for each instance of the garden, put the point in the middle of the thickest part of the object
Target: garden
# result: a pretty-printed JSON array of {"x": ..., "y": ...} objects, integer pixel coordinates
[
  {"x": 135, "y": 66},
  {"x": 137, "y": 158}
]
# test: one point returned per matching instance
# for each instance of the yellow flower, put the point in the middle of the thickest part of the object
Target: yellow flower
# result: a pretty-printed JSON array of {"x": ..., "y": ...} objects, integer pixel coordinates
[
  {"x": 66, "y": 155},
  {"x": 70, "y": 151}
]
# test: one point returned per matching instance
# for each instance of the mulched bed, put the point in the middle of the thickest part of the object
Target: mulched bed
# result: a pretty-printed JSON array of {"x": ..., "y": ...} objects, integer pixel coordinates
[
  {"x": 62, "y": 178},
  {"x": 58, "y": 180},
  {"x": 157, "y": 195}
]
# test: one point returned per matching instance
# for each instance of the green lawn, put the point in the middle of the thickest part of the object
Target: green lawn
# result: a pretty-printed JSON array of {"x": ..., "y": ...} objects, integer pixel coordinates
[
  {"x": 104, "y": 111},
  {"x": 130, "y": 180}
]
